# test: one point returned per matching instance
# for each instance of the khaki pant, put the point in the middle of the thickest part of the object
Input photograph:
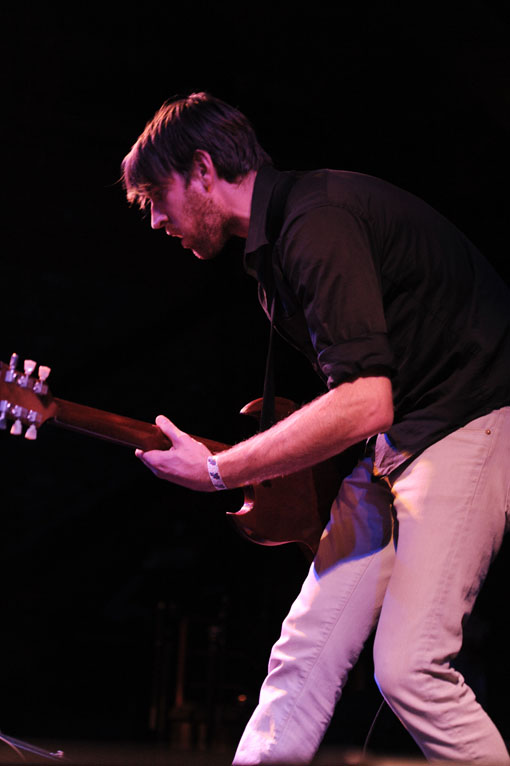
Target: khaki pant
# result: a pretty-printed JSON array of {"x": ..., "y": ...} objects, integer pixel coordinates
[{"x": 452, "y": 507}]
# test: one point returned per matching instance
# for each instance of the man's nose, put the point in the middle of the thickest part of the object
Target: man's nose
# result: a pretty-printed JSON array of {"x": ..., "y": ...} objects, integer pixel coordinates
[{"x": 157, "y": 218}]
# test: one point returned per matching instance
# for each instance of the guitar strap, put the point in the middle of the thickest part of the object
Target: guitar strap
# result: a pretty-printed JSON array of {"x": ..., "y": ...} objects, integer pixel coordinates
[{"x": 274, "y": 223}]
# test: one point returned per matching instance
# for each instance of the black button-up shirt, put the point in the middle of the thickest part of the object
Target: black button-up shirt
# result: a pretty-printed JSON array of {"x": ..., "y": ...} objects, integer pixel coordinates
[{"x": 371, "y": 280}]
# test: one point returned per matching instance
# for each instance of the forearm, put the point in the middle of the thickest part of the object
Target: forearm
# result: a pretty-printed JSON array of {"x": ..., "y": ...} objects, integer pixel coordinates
[{"x": 325, "y": 427}]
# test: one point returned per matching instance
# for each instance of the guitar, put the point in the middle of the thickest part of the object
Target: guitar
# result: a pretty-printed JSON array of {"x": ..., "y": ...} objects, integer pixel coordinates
[{"x": 292, "y": 508}]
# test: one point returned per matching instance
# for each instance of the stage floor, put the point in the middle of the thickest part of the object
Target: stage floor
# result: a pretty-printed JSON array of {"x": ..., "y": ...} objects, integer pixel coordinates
[{"x": 160, "y": 754}]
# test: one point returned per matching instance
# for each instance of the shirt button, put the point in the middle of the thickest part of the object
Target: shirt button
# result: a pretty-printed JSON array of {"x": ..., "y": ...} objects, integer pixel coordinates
[{"x": 488, "y": 431}]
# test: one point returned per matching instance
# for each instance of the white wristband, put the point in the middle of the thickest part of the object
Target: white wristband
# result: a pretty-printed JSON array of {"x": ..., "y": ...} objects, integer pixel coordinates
[{"x": 214, "y": 474}]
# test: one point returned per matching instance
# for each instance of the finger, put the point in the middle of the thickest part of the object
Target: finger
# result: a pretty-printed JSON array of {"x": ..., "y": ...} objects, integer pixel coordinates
[
  {"x": 150, "y": 459},
  {"x": 144, "y": 456},
  {"x": 168, "y": 428}
]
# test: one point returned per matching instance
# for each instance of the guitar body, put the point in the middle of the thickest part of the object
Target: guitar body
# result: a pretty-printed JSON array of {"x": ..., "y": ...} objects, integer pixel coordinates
[
  {"x": 289, "y": 509},
  {"x": 292, "y": 508}
]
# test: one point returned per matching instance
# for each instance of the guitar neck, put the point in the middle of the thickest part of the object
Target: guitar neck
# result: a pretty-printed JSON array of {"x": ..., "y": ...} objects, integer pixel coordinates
[{"x": 117, "y": 429}]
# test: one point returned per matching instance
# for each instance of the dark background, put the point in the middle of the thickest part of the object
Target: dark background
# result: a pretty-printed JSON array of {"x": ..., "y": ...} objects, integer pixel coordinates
[{"x": 103, "y": 567}]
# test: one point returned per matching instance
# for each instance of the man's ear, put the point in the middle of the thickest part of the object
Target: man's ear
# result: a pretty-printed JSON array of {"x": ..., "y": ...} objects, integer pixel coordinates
[{"x": 203, "y": 169}]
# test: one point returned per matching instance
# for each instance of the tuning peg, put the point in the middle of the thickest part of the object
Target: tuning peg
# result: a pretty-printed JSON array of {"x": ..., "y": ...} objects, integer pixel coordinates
[
  {"x": 11, "y": 373},
  {"x": 16, "y": 428},
  {"x": 39, "y": 385},
  {"x": 29, "y": 366},
  {"x": 44, "y": 372},
  {"x": 4, "y": 406},
  {"x": 31, "y": 433}
]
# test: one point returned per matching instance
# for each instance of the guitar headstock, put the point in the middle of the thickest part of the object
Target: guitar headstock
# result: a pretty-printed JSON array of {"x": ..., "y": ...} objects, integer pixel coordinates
[{"x": 25, "y": 399}]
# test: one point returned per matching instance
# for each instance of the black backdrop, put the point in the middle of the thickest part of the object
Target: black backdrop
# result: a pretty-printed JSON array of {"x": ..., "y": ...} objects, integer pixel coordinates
[{"x": 96, "y": 553}]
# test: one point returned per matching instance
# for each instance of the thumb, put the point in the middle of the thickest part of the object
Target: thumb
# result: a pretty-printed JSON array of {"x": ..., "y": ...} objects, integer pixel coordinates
[{"x": 169, "y": 428}]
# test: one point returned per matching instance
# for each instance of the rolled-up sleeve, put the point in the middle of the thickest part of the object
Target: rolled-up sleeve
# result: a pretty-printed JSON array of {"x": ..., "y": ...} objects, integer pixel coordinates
[{"x": 330, "y": 259}]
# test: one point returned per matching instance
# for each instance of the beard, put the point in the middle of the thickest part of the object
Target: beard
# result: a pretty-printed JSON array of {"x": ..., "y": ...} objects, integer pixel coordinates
[{"x": 208, "y": 228}]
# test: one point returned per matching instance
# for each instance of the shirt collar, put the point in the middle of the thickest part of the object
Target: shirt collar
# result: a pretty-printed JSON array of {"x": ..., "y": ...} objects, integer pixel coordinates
[{"x": 265, "y": 182}]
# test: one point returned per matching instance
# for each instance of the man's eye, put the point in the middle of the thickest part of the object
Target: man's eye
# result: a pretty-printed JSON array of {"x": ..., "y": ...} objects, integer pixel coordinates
[{"x": 156, "y": 195}]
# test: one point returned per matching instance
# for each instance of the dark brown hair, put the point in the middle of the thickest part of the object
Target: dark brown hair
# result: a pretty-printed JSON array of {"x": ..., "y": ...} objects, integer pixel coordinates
[{"x": 177, "y": 130}]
